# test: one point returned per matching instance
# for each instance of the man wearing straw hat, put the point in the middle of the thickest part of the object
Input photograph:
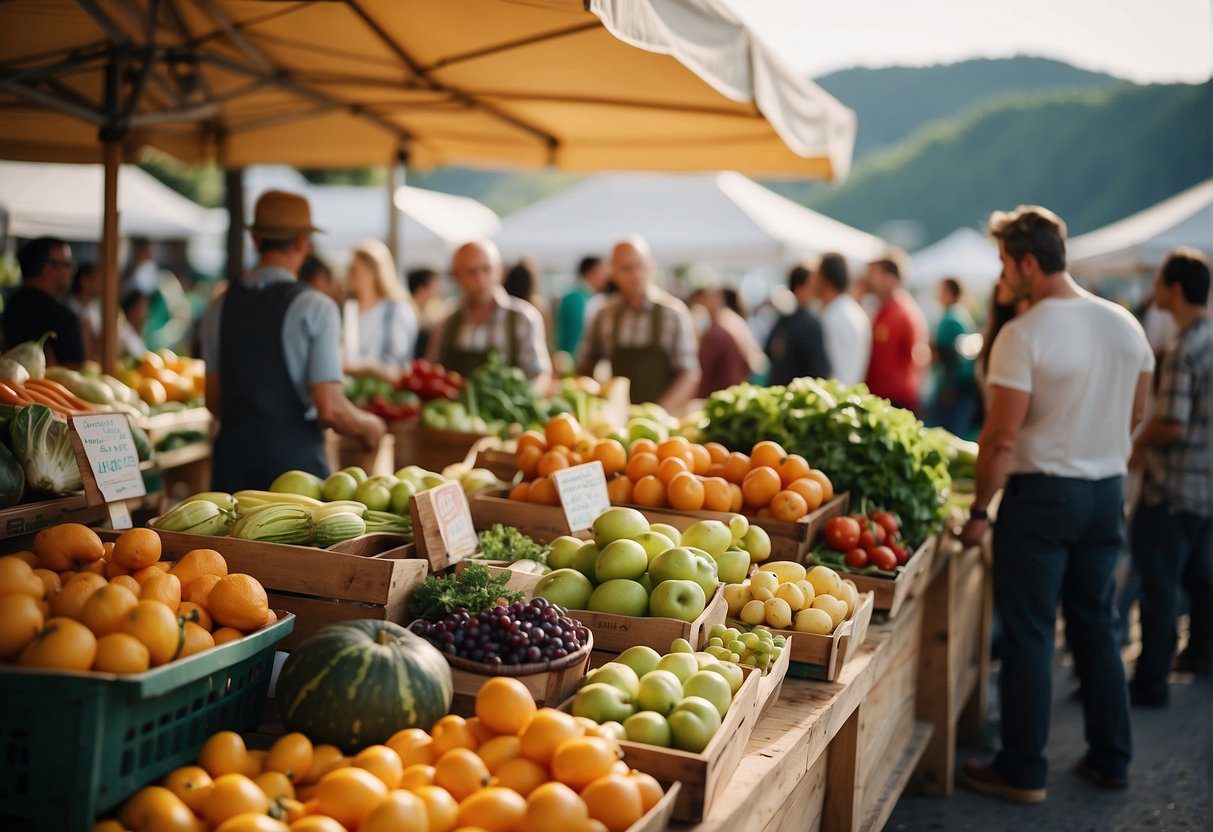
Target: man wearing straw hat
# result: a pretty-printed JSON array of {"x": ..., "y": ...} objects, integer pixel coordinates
[{"x": 273, "y": 358}]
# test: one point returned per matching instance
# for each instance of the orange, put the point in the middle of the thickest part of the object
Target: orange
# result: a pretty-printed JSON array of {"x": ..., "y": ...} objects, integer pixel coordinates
[
  {"x": 767, "y": 454},
  {"x": 612, "y": 456},
  {"x": 827, "y": 487},
  {"x": 198, "y": 562},
  {"x": 791, "y": 468},
  {"x": 649, "y": 491},
  {"x": 418, "y": 774},
  {"x": 223, "y": 753},
  {"x": 225, "y": 634},
  {"x": 231, "y": 795},
  {"x": 252, "y": 822},
  {"x": 382, "y": 762},
  {"x": 551, "y": 461},
  {"x": 562, "y": 430},
  {"x": 275, "y": 785},
  {"x": 670, "y": 467},
  {"x": 619, "y": 490},
  {"x": 452, "y": 731},
  {"x": 579, "y": 762},
  {"x": 650, "y": 789},
  {"x": 737, "y": 499},
  {"x": 256, "y": 762},
  {"x": 460, "y": 772},
  {"x": 716, "y": 495},
  {"x": 788, "y": 506},
  {"x": 505, "y": 705},
  {"x": 717, "y": 452},
  {"x": 61, "y": 547},
  {"x": 546, "y": 731},
  {"x": 349, "y": 795},
  {"x": 642, "y": 446},
  {"x": 292, "y": 755},
  {"x": 494, "y": 809},
  {"x": 401, "y": 811},
  {"x": 615, "y": 801},
  {"x": 686, "y": 492},
  {"x": 238, "y": 601},
  {"x": 642, "y": 465},
  {"x": 675, "y": 446},
  {"x": 701, "y": 460},
  {"x": 70, "y": 600},
  {"x": 270, "y": 618},
  {"x": 190, "y": 611},
  {"x": 413, "y": 745},
  {"x": 498, "y": 751},
  {"x": 106, "y": 607},
  {"x": 736, "y": 467},
  {"x": 128, "y": 582},
  {"x": 543, "y": 492},
  {"x": 20, "y": 622},
  {"x": 527, "y": 460},
  {"x": 480, "y": 731},
  {"x": 554, "y": 807},
  {"x": 191, "y": 784},
  {"x": 442, "y": 809},
  {"x": 27, "y": 556},
  {"x": 317, "y": 823},
  {"x": 200, "y": 589},
  {"x": 197, "y": 639},
  {"x": 521, "y": 775},
  {"x": 50, "y": 580},
  {"x": 760, "y": 486},
  {"x": 811, "y": 490},
  {"x": 137, "y": 549},
  {"x": 142, "y": 575},
  {"x": 113, "y": 569},
  {"x": 18, "y": 576},
  {"x": 532, "y": 439},
  {"x": 156, "y": 809},
  {"x": 61, "y": 644},
  {"x": 122, "y": 654},
  {"x": 519, "y": 492},
  {"x": 154, "y": 624},
  {"x": 325, "y": 758},
  {"x": 97, "y": 567}
]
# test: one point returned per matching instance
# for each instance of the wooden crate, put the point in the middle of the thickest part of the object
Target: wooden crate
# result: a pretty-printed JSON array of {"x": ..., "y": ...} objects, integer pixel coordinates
[
  {"x": 891, "y": 594},
  {"x": 436, "y": 449},
  {"x": 162, "y": 424},
  {"x": 658, "y": 818},
  {"x": 542, "y": 524},
  {"x": 498, "y": 460},
  {"x": 549, "y": 687},
  {"x": 28, "y": 518},
  {"x": 821, "y": 657},
  {"x": 770, "y": 684},
  {"x": 617, "y": 633},
  {"x": 344, "y": 451},
  {"x": 519, "y": 580}
]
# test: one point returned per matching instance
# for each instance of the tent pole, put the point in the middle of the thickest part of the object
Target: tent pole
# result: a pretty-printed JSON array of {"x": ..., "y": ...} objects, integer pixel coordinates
[
  {"x": 109, "y": 257},
  {"x": 396, "y": 178},
  {"x": 233, "y": 181}
]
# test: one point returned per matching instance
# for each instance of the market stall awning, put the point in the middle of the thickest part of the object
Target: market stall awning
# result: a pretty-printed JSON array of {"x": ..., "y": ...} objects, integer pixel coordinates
[
  {"x": 717, "y": 218},
  {"x": 615, "y": 84},
  {"x": 1138, "y": 243},
  {"x": 965, "y": 254}
]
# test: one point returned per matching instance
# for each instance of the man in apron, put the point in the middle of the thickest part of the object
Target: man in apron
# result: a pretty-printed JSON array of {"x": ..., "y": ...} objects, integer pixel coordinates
[
  {"x": 644, "y": 332},
  {"x": 272, "y": 351},
  {"x": 489, "y": 320}
]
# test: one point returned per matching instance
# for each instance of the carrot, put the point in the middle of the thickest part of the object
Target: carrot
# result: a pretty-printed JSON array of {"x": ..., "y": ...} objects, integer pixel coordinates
[
  {"x": 60, "y": 393},
  {"x": 41, "y": 397},
  {"x": 9, "y": 395}
]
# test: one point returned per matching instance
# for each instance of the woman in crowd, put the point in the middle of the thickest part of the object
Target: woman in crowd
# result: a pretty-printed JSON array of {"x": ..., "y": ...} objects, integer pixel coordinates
[
  {"x": 381, "y": 325},
  {"x": 522, "y": 282}
]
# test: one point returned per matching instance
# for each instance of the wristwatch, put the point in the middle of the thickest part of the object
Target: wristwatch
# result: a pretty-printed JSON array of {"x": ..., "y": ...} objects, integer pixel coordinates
[{"x": 978, "y": 514}]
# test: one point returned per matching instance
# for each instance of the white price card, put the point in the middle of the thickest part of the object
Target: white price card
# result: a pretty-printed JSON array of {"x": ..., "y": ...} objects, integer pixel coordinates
[
  {"x": 583, "y": 494},
  {"x": 454, "y": 520},
  {"x": 111, "y": 454}
]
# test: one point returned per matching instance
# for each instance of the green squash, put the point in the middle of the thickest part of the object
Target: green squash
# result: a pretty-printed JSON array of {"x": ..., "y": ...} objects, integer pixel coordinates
[{"x": 357, "y": 683}]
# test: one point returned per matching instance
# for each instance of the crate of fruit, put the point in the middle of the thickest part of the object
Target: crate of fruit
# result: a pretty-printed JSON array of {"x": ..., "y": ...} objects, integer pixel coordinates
[{"x": 759, "y": 651}]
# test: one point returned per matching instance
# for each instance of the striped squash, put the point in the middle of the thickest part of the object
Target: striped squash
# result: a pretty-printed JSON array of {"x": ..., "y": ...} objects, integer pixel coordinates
[{"x": 356, "y": 683}]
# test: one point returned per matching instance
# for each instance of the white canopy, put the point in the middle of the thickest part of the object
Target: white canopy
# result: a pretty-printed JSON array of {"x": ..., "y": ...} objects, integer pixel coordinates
[
  {"x": 58, "y": 200},
  {"x": 721, "y": 218},
  {"x": 1139, "y": 243},
  {"x": 965, "y": 254}
]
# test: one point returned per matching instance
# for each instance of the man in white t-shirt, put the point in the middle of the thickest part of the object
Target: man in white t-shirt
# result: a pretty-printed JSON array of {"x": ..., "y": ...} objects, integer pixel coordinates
[
  {"x": 845, "y": 326},
  {"x": 1069, "y": 380}
]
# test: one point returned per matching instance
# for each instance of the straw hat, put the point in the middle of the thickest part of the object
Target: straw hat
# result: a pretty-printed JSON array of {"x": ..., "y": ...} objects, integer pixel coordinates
[{"x": 280, "y": 214}]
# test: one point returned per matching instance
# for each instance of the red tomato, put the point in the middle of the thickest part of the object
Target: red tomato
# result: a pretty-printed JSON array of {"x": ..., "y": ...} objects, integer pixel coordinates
[
  {"x": 857, "y": 559},
  {"x": 883, "y": 558},
  {"x": 842, "y": 534},
  {"x": 872, "y": 535},
  {"x": 887, "y": 521},
  {"x": 900, "y": 552}
]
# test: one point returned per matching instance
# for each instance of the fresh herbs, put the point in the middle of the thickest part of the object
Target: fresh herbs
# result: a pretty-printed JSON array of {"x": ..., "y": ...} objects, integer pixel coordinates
[
  {"x": 507, "y": 543},
  {"x": 474, "y": 589}
]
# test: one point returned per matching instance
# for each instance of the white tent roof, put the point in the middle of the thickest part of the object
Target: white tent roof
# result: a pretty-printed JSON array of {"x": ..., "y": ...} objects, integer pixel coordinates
[
  {"x": 966, "y": 254},
  {"x": 59, "y": 200},
  {"x": 717, "y": 218},
  {"x": 1140, "y": 242}
]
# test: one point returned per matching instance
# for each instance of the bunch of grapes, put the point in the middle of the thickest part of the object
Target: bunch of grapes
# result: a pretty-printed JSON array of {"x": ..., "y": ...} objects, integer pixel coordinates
[{"x": 516, "y": 633}]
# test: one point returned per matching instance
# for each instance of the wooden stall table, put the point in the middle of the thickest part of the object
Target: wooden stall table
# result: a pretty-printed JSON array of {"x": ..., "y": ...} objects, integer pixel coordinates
[{"x": 185, "y": 470}]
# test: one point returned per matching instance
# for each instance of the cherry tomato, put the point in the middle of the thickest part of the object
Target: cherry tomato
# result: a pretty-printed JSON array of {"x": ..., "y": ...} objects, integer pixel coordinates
[
  {"x": 857, "y": 559},
  {"x": 900, "y": 552},
  {"x": 887, "y": 521},
  {"x": 842, "y": 534},
  {"x": 883, "y": 558},
  {"x": 873, "y": 535}
]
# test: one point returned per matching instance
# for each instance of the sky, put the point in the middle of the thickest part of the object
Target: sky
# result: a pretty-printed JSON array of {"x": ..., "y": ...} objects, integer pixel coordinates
[{"x": 1147, "y": 41}]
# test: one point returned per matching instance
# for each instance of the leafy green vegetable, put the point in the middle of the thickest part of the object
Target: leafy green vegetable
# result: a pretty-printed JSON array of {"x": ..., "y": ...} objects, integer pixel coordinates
[
  {"x": 474, "y": 589},
  {"x": 507, "y": 543},
  {"x": 864, "y": 444},
  {"x": 43, "y": 446}
]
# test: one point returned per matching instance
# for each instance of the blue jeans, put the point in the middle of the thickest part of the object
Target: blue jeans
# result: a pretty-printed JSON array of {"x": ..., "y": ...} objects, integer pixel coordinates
[
  {"x": 1057, "y": 540},
  {"x": 1168, "y": 545}
]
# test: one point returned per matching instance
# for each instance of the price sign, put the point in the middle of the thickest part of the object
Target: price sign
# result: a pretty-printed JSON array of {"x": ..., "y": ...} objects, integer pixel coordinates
[
  {"x": 112, "y": 458},
  {"x": 454, "y": 520},
  {"x": 583, "y": 494}
]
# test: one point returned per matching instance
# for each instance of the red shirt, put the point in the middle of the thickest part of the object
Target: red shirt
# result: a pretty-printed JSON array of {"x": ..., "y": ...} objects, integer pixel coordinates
[{"x": 892, "y": 373}]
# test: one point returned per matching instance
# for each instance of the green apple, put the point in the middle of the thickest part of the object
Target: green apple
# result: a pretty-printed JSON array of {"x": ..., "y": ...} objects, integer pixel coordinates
[
  {"x": 297, "y": 482},
  {"x": 412, "y": 473},
  {"x": 683, "y": 600},
  {"x": 374, "y": 494},
  {"x": 566, "y": 588},
  {"x": 732, "y": 673},
  {"x": 683, "y": 563},
  {"x": 617, "y": 675},
  {"x": 641, "y": 658},
  {"x": 654, "y": 543},
  {"x": 585, "y": 558},
  {"x": 618, "y": 524},
  {"x": 706, "y": 660},
  {"x": 357, "y": 473},
  {"x": 681, "y": 645},
  {"x": 620, "y": 559},
  {"x": 613, "y": 729},
  {"x": 649, "y": 728},
  {"x": 732, "y": 565},
  {"x": 710, "y": 535},
  {"x": 669, "y": 531},
  {"x": 693, "y": 723},
  {"x": 659, "y": 691},
  {"x": 646, "y": 582},
  {"x": 739, "y": 524},
  {"x": 402, "y": 492},
  {"x": 682, "y": 665},
  {"x": 561, "y": 551},
  {"x": 620, "y": 597},
  {"x": 603, "y": 703},
  {"x": 339, "y": 486},
  {"x": 758, "y": 543},
  {"x": 712, "y": 687}
]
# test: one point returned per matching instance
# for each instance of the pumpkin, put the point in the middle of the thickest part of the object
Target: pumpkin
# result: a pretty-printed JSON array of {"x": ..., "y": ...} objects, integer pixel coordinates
[{"x": 356, "y": 683}]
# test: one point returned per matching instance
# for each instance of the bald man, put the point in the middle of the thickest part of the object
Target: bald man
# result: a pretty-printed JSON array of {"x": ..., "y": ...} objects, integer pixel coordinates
[
  {"x": 488, "y": 319},
  {"x": 644, "y": 332}
]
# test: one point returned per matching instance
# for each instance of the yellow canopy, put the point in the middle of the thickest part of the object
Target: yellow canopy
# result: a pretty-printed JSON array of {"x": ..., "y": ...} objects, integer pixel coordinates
[{"x": 503, "y": 83}]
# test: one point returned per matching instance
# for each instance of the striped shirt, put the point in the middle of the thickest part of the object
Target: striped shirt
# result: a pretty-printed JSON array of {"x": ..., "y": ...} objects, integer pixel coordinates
[
  {"x": 635, "y": 330},
  {"x": 493, "y": 334},
  {"x": 1181, "y": 473}
]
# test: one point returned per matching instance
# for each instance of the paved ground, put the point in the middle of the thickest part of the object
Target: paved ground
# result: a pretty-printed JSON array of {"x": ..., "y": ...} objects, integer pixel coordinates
[{"x": 1171, "y": 778}]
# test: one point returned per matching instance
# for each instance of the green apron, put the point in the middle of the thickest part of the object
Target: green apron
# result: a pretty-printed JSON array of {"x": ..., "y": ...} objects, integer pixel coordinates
[
  {"x": 465, "y": 362},
  {"x": 648, "y": 367}
]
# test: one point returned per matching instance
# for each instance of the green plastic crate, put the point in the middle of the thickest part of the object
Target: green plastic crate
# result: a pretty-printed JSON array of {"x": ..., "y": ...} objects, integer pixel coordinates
[{"x": 74, "y": 745}]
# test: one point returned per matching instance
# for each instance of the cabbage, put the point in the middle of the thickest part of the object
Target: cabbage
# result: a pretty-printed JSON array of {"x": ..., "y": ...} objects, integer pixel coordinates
[{"x": 43, "y": 446}]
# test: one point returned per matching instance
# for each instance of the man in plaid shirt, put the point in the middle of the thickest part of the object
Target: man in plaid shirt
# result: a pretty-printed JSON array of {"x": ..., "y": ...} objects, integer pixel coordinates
[{"x": 1170, "y": 532}]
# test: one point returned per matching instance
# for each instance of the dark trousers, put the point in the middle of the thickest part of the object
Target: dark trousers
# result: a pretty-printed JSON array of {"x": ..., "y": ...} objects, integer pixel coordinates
[
  {"x": 1168, "y": 546},
  {"x": 1057, "y": 540}
]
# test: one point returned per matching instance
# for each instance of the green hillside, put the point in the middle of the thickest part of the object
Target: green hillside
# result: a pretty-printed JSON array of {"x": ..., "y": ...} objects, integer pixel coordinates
[{"x": 1093, "y": 157}]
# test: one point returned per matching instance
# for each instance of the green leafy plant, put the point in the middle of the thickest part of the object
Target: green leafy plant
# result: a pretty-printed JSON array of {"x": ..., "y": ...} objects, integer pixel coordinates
[
  {"x": 474, "y": 589},
  {"x": 507, "y": 543}
]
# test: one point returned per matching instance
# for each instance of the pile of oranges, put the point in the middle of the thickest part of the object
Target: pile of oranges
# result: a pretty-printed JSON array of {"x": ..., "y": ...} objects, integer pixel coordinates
[
  {"x": 511, "y": 768},
  {"x": 676, "y": 473},
  {"x": 76, "y": 603}
]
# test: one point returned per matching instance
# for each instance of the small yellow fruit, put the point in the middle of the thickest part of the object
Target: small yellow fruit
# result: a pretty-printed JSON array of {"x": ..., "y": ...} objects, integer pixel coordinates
[
  {"x": 778, "y": 613},
  {"x": 754, "y": 612},
  {"x": 761, "y": 594},
  {"x": 831, "y": 606},
  {"x": 809, "y": 592},
  {"x": 825, "y": 580},
  {"x": 814, "y": 620},
  {"x": 792, "y": 594},
  {"x": 788, "y": 571},
  {"x": 737, "y": 596},
  {"x": 849, "y": 596},
  {"x": 764, "y": 579}
]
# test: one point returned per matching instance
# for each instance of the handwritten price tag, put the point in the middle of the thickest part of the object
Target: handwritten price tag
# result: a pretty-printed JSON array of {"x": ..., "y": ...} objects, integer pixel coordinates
[
  {"x": 111, "y": 454},
  {"x": 454, "y": 520},
  {"x": 583, "y": 494}
]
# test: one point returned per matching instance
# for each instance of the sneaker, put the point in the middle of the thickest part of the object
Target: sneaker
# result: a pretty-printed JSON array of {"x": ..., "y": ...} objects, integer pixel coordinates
[
  {"x": 1104, "y": 781},
  {"x": 986, "y": 780}
]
